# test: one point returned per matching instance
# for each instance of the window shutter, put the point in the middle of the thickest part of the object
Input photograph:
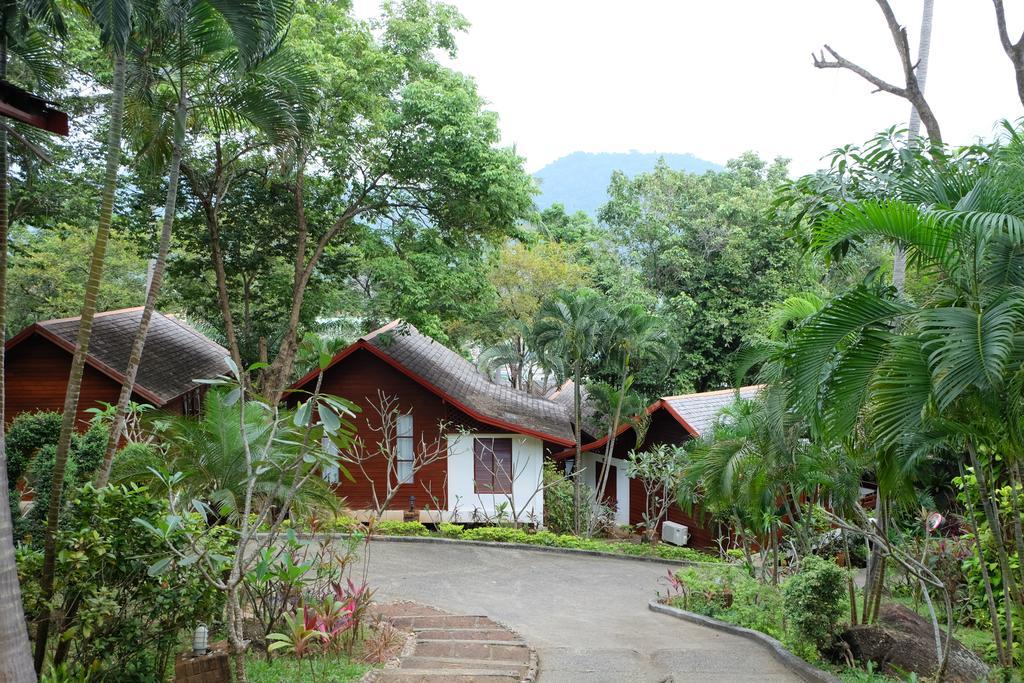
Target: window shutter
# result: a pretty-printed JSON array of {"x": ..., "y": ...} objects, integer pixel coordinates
[{"x": 492, "y": 465}]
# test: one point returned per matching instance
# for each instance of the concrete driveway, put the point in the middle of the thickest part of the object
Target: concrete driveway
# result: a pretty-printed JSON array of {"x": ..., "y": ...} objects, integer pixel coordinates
[{"x": 586, "y": 616}]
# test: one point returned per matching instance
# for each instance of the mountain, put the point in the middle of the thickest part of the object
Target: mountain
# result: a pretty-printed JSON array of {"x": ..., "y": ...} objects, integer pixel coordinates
[{"x": 580, "y": 180}]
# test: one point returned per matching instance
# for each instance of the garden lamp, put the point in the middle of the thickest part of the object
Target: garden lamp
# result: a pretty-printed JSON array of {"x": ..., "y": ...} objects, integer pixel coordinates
[{"x": 199, "y": 644}]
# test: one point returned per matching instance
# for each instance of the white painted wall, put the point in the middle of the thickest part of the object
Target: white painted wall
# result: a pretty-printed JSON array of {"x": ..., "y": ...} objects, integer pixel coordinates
[
  {"x": 527, "y": 475},
  {"x": 593, "y": 462}
]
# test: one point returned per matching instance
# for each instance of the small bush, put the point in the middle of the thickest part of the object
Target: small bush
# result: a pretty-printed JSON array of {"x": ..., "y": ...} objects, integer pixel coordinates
[
  {"x": 89, "y": 449},
  {"x": 558, "y": 500},
  {"x": 26, "y": 435},
  {"x": 813, "y": 600},
  {"x": 123, "y": 620},
  {"x": 342, "y": 524},
  {"x": 496, "y": 534},
  {"x": 394, "y": 528},
  {"x": 449, "y": 530},
  {"x": 730, "y": 594},
  {"x": 30, "y": 528}
]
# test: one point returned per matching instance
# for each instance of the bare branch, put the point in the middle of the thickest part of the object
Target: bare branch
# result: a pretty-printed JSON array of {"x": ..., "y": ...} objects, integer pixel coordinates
[
  {"x": 911, "y": 89},
  {"x": 840, "y": 62},
  {"x": 1004, "y": 34},
  {"x": 1015, "y": 51}
]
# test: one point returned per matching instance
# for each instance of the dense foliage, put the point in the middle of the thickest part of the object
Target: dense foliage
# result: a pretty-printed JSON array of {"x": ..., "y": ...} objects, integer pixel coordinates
[{"x": 119, "y": 619}]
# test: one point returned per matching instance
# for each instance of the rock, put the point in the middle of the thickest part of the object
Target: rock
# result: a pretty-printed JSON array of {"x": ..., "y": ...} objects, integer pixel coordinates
[{"x": 903, "y": 641}]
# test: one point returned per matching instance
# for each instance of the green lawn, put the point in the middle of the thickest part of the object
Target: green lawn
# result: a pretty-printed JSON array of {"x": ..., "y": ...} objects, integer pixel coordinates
[{"x": 327, "y": 669}]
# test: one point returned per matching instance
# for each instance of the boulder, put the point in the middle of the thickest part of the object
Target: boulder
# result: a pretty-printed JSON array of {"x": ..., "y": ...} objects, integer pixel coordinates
[{"x": 903, "y": 641}]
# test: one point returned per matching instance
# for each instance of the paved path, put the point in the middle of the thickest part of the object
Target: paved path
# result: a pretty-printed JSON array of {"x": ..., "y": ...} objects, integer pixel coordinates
[{"x": 586, "y": 616}]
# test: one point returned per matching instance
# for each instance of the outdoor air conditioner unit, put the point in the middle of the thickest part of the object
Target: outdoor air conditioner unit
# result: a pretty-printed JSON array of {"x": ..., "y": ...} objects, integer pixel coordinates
[{"x": 676, "y": 534}]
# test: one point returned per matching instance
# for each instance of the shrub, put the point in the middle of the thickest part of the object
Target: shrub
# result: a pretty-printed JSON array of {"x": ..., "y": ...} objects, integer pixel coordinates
[
  {"x": 123, "y": 618},
  {"x": 496, "y": 534},
  {"x": 134, "y": 459},
  {"x": 449, "y": 530},
  {"x": 813, "y": 600},
  {"x": 342, "y": 524},
  {"x": 388, "y": 527},
  {"x": 88, "y": 450},
  {"x": 31, "y": 527},
  {"x": 26, "y": 435},
  {"x": 730, "y": 594},
  {"x": 558, "y": 500}
]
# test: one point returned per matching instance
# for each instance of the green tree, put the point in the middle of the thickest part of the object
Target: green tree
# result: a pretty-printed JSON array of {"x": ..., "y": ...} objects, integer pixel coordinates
[
  {"x": 632, "y": 338},
  {"x": 567, "y": 333},
  {"x": 206, "y": 457},
  {"x": 714, "y": 249},
  {"x": 914, "y": 377},
  {"x": 409, "y": 140},
  {"x": 119, "y": 22},
  {"x": 196, "y": 57},
  {"x": 20, "y": 34},
  {"x": 49, "y": 266}
]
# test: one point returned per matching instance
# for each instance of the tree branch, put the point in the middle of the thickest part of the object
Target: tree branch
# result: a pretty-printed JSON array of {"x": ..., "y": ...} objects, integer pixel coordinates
[
  {"x": 840, "y": 62},
  {"x": 910, "y": 91}
]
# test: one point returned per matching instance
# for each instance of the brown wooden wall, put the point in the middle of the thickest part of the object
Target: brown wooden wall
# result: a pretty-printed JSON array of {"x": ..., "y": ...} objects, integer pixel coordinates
[
  {"x": 664, "y": 429},
  {"x": 358, "y": 378},
  {"x": 37, "y": 378}
]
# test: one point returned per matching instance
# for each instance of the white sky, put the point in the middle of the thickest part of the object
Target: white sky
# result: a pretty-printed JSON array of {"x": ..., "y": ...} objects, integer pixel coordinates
[{"x": 717, "y": 77}]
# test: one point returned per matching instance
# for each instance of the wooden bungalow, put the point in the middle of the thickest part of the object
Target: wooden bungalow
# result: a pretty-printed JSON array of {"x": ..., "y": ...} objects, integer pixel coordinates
[
  {"x": 485, "y": 443},
  {"x": 674, "y": 420},
  {"x": 38, "y": 363}
]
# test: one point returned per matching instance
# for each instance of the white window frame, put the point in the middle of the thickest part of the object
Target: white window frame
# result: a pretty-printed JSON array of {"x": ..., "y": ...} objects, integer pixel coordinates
[
  {"x": 404, "y": 449},
  {"x": 330, "y": 474}
]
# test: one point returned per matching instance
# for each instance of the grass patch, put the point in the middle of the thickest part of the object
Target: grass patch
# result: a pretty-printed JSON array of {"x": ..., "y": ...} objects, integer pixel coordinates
[{"x": 326, "y": 669}]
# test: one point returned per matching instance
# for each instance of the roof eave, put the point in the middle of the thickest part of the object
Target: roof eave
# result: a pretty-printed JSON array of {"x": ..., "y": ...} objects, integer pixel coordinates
[{"x": 482, "y": 417}]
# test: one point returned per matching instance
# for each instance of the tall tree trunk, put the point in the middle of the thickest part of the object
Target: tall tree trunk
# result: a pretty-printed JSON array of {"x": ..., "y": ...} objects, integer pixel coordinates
[
  {"x": 578, "y": 488},
  {"x": 15, "y": 653},
  {"x": 92, "y": 288},
  {"x": 612, "y": 435},
  {"x": 899, "y": 261},
  {"x": 156, "y": 280},
  {"x": 990, "y": 504}
]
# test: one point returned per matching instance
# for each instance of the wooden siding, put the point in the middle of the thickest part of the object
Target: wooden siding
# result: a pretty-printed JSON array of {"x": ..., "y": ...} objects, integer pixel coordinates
[
  {"x": 36, "y": 373},
  {"x": 664, "y": 429},
  {"x": 359, "y": 378}
]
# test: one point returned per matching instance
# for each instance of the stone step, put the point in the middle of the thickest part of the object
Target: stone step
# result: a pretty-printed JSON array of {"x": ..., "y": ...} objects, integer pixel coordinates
[
  {"x": 441, "y": 621},
  {"x": 491, "y": 634},
  {"x": 447, "y": 675},
  {"x": 474, "y": 649},
  {"x": 416, "y": 662},
  {"x": 405, "y": 609}
]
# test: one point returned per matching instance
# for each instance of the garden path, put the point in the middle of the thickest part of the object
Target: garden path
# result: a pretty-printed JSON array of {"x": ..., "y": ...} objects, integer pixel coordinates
[{"x": 586, "y": 616}]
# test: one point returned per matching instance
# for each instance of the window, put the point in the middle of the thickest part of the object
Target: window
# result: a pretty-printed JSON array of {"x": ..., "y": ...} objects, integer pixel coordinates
[
  {"x": 330, "y": 473},
  {"x": 404, "y": 449},
  {"x": 492, "y": 466}
]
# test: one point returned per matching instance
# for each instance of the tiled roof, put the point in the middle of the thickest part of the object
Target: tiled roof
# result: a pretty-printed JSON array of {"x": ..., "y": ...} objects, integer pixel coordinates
[
  {"x": 174, "y": 356},
  {"x": 701, "y": 410},
  {"x": 457, "y": 378}
]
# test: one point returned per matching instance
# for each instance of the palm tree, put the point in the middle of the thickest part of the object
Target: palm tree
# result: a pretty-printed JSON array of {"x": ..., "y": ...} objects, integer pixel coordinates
[
  {"x": 567, "y": 332},
  {"x": 633, "y": 336},
  {"x": 20, "y": 34},
  {"x": 206, "y": 459},
  {"x": 944, "y": 373},
  {"x": 201, "y": 77},
  {"x": 119, "y": 22},
  {"x": 899, "y": 262}
]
